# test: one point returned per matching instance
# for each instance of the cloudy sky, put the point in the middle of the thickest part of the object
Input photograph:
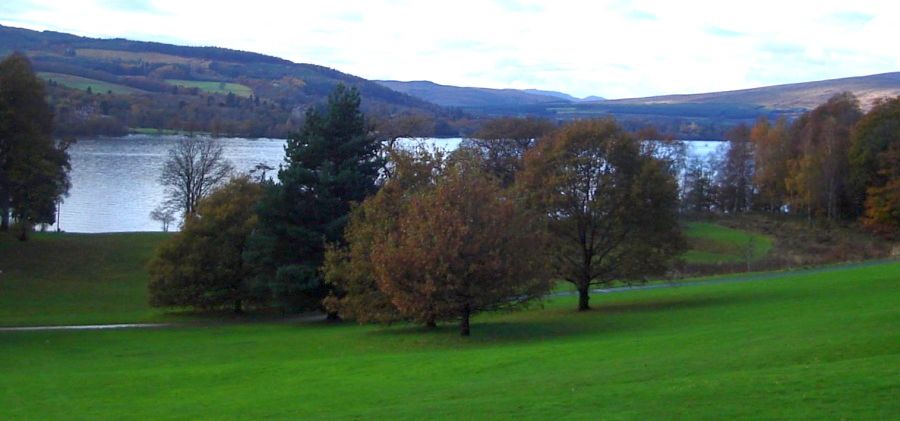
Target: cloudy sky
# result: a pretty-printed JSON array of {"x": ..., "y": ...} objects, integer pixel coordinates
[{"x": 614, "y": 49}]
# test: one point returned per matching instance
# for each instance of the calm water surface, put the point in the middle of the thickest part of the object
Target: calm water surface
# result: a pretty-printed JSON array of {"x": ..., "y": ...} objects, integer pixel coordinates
[{"x": 114, "y": 180}]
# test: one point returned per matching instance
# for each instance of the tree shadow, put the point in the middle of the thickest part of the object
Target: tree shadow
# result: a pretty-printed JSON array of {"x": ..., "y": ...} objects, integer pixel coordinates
[{"x": 549, "y": 324}]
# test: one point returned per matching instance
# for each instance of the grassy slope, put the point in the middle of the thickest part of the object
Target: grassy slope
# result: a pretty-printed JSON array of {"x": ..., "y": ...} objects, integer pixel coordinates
[
  {"x": 214, "y": 87},
  {"x": 711, "y": 243},
  {"x": 812, "y": 346},
  {"x": 82, "y": 83},
  {"x": 75, "y": 279}
]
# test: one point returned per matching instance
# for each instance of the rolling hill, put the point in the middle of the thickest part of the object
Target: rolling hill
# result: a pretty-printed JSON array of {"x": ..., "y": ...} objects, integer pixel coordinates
[
  {"x": 805, "y": 95},
  {"x": 110, "y": 86}
]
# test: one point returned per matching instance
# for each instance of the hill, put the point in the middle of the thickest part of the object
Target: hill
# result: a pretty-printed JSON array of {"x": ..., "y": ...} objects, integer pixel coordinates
[
  {"x": 707, "y": 115},
  {"x": 109, "y": 86},
  {"x": 805, "y": 95}
]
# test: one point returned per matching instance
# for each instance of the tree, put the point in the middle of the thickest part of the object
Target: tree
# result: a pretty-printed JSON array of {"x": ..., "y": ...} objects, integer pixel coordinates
[
  {"x": 772, "y": 151},
  {"x": 502, "y": 143},
  {"x": 461, "y": 247},
  {"x": 164, "y": 215},
  {"x": 818, "y": 175},
  {"x": 611, "y": 209},
  {"x": 698, "y": 190},
  {"x": 874, "y": 134},
  {"x": 882, "y": 211},
  {"x": 331, "y": 163},
  {"x": 349, "y": 269},
  {"x": 735, "y": 172},
  {"x": 202, "y": 266},
  {"x": 33, "y": 168},
  {"x": 194, "y": 168}
]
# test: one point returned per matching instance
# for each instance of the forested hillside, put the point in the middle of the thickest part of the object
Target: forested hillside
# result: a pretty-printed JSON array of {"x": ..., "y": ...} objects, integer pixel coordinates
[{"x": 111, "y": 86}]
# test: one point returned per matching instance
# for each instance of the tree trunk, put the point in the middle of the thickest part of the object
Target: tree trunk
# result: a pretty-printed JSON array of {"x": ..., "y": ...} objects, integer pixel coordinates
[
  {"x": 4, "y": 212},
  {"x": 464, "y": 323},
  {"x": 238, "y": 307},
  {"x": 332, "y": 316},
  {"x": 431, "y": 323},
  {"x": 23, "y": 235},
  {"x": 584, "y": 296}
]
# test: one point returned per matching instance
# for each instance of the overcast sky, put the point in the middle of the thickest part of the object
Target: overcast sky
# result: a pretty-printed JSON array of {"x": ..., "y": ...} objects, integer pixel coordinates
[{"x": 614, "y": 49}]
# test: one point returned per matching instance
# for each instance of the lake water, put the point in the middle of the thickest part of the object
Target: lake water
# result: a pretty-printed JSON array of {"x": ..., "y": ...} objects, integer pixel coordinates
[{"x": 114, "y": 180}]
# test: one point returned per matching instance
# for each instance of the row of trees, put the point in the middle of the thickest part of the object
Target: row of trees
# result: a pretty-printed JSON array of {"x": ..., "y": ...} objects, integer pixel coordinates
[
  {"x": 33, "y": 167},
  {"x": 833, "y": 162},
  {"x": 380, "y": 235}
]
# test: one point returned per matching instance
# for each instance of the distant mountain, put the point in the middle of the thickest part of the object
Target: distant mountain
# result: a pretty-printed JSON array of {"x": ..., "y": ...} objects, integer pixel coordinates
[
  {"x": 111, "y": 86},
  {"x": 464, "y": 97},
  {"x": 707, "y": 115},
  {"x": 805, "y": 95},
  {"x": 564, "y": 96}
]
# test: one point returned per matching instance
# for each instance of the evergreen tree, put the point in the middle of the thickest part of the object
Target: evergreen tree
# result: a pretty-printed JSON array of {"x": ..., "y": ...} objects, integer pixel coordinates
[
  {"x": 331, "y": 163},
  {"x": 33, "y": 168}
]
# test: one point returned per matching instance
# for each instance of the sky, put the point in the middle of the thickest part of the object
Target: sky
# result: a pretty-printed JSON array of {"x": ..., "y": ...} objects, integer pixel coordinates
[{"x": 613, "y": 49}]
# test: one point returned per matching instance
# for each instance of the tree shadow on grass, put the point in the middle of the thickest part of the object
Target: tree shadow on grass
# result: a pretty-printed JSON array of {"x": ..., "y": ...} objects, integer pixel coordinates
[{"x": 553, "y": 323}]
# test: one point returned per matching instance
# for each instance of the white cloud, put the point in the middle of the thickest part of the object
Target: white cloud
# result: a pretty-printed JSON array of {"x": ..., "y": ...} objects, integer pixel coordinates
[{"x": 608, "y": 48}]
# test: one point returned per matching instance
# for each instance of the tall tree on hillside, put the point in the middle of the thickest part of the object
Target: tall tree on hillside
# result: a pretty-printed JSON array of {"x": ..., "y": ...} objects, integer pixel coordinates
[
  {"x": 194, "y": 168},
  {"x": 611, "y": 208},
  {"x": 502, "y": 143},
  {"x": 332, "y": 162},
  {"x": 735, "y": 172},
  {"x": 772, "y": 151},
  {"x": 818, "y": 175},
  {"x": 872, "y": 136},
  {"x": 33, "y": 168}
]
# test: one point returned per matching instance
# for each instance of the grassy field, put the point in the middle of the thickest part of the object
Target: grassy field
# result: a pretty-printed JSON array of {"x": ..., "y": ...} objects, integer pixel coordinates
[
  {"x": 75, "y": 279},
  {"x": 711, "y": 243},
  {"x": 82, "y": 83},
  {"x": 815, "y": 346},
  {"x": 214, "y": 87}
]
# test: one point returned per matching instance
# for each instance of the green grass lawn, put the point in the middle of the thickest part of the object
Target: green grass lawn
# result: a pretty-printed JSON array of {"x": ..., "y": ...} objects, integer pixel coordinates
[
  {"x": 82, "y": 83},
  {"x": 214, "y": 87},
  {"x": 815, "y": 346},
  {"x": 711, "y": 243},
  {"x": 76, "y": 279}
]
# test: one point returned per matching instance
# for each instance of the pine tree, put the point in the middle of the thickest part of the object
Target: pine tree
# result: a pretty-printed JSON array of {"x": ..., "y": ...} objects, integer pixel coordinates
[{"x": 331, "y": 163}]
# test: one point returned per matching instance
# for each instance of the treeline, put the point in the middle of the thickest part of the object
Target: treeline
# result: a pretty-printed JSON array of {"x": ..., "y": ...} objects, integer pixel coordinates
[
  {"x": 833, "y": 162},
  {"x": 362, "y": 228}
]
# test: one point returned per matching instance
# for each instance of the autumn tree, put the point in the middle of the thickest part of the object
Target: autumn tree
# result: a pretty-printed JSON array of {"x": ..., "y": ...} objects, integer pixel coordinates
[
  {"x": 195, "y": 167},
  {"x": 611, "y": 209},
  {"x": 349, "y": 268},
  {"x": 332, "y": 162},
  {"x": 202, "y": 266},
  {"x": 873, "y": 135},
  {"x": 33, "y": 167},
  {"x": 818, "y": 175},
  {"x": 882, "y": 207},
  {"x": 735, "y": 172},
  {"x": 502, "y": 143},
  {"x": 459, "y": 248},
  {"x": 772, "y": 147}
]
